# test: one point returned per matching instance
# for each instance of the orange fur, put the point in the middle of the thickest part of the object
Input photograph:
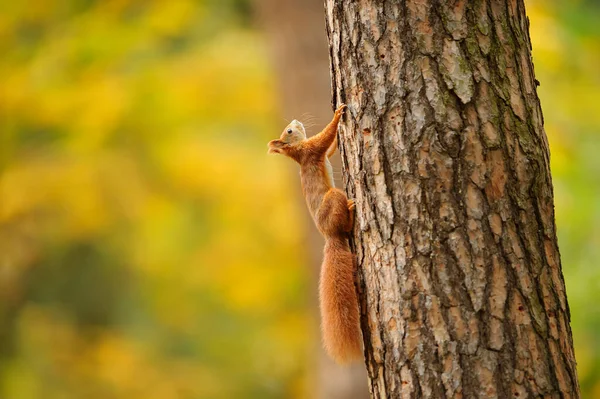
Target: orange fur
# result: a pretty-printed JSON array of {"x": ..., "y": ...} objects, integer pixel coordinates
[{"x": 333, "y": 214}]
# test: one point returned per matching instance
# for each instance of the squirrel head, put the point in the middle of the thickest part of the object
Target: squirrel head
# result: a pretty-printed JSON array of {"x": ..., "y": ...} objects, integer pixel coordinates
[{"x": 292, "y": 136}]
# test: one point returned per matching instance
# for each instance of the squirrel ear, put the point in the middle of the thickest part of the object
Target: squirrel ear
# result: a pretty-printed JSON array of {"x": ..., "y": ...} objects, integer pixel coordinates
[{"x": 275, "y": 146}]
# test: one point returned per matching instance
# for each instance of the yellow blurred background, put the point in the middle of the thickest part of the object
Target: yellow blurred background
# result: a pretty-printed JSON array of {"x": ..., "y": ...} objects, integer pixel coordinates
[{"x": 149, "y": 248}]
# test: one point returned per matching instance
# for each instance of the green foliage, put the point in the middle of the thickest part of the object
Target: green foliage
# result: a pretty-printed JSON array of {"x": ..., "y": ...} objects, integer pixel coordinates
[{"x": 566, "y": 49}]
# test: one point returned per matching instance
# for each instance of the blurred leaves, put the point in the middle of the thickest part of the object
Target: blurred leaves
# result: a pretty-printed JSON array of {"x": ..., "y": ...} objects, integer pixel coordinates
[{"x": 145, "y": 247}]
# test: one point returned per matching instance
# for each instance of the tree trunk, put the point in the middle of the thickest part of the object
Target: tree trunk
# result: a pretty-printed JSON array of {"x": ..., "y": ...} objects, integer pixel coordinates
[
  {"x": 444, "y": 150},
  {"x": 296, "y": 33}
]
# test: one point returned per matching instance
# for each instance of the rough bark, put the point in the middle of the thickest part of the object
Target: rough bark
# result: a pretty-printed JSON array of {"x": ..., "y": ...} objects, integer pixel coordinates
[
  {"x": 295, "y": 31},
  {"x": 444, "y": 150}
]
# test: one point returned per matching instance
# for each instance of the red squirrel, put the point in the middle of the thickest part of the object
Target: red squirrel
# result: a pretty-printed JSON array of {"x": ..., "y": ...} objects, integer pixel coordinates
[{"x": 333, "y": 214}]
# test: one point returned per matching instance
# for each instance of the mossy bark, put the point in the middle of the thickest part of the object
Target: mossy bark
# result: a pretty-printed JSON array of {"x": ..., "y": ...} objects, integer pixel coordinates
[{"x": 444, "y": 150}]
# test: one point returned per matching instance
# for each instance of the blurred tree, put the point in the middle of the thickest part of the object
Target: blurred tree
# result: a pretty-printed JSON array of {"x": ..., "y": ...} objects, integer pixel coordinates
[
  {"x": 295, "y": 30},
  {"x": 462, "y": 288}
]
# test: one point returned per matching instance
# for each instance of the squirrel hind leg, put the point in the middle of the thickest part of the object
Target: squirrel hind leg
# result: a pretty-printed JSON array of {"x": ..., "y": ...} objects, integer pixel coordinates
[{"x": 333, "y": 215}]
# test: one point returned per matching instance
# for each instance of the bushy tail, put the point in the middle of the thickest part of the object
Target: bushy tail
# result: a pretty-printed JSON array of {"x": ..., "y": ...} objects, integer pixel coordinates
[{"x": 340, "y": 320}]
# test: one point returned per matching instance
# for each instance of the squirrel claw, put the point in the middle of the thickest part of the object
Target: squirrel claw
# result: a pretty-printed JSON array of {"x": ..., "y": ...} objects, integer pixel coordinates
[
  {"x": 340, "y": 109},
  {"x": 351, "y": 205}
]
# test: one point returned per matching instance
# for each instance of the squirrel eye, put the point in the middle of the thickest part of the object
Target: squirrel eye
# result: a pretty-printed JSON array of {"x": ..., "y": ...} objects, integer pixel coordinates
[{"x": 289, "y": 131}]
